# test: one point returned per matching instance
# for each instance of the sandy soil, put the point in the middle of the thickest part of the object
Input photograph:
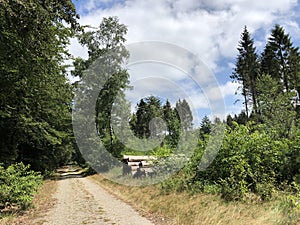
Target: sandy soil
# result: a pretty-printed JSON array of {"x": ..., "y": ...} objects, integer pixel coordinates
[{"x": 81, "y": 201}]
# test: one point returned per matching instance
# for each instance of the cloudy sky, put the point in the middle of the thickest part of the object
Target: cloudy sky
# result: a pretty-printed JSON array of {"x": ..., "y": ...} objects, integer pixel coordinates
[{"x": 209, "y": 29}]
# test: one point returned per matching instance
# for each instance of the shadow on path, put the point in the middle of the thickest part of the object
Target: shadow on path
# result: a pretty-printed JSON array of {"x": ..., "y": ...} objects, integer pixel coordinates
[{"x": 69, "y": 172}]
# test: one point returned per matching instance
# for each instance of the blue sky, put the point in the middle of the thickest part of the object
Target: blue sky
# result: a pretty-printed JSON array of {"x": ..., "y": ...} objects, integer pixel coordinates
[{"x": 208, "y": 28}]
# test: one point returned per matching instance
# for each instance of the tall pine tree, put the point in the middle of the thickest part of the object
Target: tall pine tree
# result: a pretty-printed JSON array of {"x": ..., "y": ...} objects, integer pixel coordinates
[
  {"x": 247, "y": 71},
  {"x": 185, "y": 114},
  {"x": 279, "y": 58}
]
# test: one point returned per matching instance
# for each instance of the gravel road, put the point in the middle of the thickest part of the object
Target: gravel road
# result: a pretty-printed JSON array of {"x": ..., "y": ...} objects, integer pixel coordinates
[{"x": 81, "y": 201}]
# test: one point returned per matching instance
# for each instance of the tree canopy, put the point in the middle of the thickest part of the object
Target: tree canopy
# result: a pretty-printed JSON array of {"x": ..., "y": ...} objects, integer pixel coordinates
[
  {"x": 280, "y": 60},
  {"x": 35, "y": 100}
]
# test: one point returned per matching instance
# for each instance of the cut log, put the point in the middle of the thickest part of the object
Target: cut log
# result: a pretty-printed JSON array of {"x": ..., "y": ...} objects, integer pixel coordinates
[
  {"x": 145, "y": 163},
  {"x": 134, "y": 158},
  {"x": 139, "y": 163}
]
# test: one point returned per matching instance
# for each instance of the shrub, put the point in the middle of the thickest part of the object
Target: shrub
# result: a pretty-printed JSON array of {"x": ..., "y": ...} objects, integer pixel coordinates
[
  {"x": 249, "y": 160},
  {"x": 18, "y": 185}
]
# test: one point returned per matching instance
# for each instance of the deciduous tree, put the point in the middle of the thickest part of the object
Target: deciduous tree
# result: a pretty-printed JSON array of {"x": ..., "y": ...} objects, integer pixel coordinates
[{"x": 35, "y": 99}]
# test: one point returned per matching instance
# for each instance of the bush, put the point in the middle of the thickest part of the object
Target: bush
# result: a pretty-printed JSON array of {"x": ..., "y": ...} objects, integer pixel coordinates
[
  {"x": 250, "y": 160},
  {"x": 18, "y": 185}
]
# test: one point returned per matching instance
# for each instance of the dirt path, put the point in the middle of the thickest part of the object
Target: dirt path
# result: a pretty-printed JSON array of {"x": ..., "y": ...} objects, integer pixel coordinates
[{"x": 81, "y": 201}]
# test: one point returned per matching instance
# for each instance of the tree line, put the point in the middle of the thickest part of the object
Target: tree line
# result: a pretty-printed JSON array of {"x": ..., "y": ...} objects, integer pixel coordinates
[
  {"x": 260, "y": 151},
  {"x": 36, "y": 97},
  {"x": 270, "y": 82},
  {"x": 150, "y": 108}
]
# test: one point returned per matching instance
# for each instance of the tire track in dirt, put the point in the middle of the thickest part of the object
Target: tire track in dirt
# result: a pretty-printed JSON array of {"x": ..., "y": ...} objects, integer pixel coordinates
[{"x": 81, "y": 201}]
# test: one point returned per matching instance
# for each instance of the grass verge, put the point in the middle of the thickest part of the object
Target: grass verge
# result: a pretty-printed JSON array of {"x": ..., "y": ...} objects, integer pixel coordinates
[
  {"x": 197, "y": 209},
  {"x": 42, "y": 202}
]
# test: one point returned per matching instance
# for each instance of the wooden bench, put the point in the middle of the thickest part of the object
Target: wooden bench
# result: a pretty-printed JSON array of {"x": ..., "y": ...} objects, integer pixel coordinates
[{"x": 138, "y": 166}]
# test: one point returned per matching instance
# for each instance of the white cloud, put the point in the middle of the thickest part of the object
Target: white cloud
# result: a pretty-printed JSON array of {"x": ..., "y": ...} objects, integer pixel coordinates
[
  {"x": 77, "y": 49},
  {"x": 229, "y": 88},
  {"x": 209, "y": 28},
  {"x": 292, "y": 27},
  {"x": 155, "y": 69}
]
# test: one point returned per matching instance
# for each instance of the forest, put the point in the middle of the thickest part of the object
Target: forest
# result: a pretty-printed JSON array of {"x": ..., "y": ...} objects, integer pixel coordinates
[{"x": 259, "y": 154}]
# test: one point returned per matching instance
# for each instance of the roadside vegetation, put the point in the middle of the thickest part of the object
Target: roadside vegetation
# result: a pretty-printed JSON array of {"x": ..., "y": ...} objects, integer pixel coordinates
[
  {"x": 18, "y": 186},
  {"x": 203, "y": 208},
  {"x": 33, "y": 214},
  {"x": 255, "y": 176},
  {"x": 258, "y": 161}
]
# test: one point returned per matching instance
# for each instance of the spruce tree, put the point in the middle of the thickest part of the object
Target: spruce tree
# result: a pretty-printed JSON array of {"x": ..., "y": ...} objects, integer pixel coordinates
[
  {"x": 247, "y": 71},
  {"x": 279, "y": 58},
  {"x": 173, "y": 124},
  {"x": 184, "y": 114}
]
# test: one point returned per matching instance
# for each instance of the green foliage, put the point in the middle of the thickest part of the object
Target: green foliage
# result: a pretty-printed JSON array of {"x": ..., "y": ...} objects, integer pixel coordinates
[
  {"x": 162, "y": 152},
  {"x": 280, "y": 60},
  {"x": 290, "y": 204},
  {"x": 185, "y": 178},
  {"x": 275, "y": 106},
  {"x": 171, "y": 164},
  {"x": 294, "y": 200},
  {"x": 107, "y": 53},
  {"x": 280, "y": 57},
  {"x": 173, "y": 125},
  {"x": 241, "y": 118},
  {"x": 174, "y": 184},
  {"x": 185, "y": 114},
  {"x": 262, "y": 155},
  {"x": 205, "y": 126},
  {"x": 247, "y": 71},
  {"x": 149, "y": 109},
  {"x": 35, "y": 100},
  {"x": 18, "y": 185},
  {"x": 290, "y": 170},
  {"x": 250, "y": 161}
]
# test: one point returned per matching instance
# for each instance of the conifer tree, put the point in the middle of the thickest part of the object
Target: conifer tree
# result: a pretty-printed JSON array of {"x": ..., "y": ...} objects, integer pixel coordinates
[
  {"x": 173, "y": 124},
  {"x": 184, "y": 114},
  {"x": 247, "y": 71},
  {"x": 280, "y": 58}
]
